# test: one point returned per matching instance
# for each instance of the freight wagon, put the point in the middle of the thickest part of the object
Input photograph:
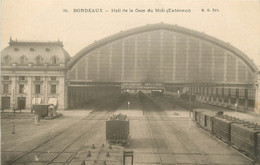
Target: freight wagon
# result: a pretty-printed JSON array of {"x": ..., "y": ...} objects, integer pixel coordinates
[
  {"x": 117, "y": 129},
  {"x": 204, "y": 118},
  {"x": 245, "y": 137},
  {"x": 196, "y": 113},
  {"x": 242, "y": 135},
  {"x": 222, "y": 128},
  {"x": 41, "y": 110}
]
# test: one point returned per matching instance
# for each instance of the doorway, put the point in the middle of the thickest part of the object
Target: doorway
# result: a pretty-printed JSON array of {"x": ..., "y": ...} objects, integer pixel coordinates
[
  {"x": 21, "y": 102},
  {"x": 5, "y": 103}
]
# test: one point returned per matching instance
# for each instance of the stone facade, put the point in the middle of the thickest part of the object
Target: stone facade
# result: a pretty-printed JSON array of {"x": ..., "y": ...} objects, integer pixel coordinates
[{"x": 32, "y": 70}]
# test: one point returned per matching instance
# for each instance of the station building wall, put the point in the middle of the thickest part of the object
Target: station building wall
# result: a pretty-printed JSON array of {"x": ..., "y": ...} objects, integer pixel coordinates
[
  {"x": 161, "y": 56},
  {"x": 170, "y": 55}
]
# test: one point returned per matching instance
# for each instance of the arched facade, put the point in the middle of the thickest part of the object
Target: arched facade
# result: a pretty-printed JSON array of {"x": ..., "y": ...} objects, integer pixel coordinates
[
  {"x": 172, "y": 56},
  {"x": 153, "y": 57},
  {"x": 161, "y": 53}
]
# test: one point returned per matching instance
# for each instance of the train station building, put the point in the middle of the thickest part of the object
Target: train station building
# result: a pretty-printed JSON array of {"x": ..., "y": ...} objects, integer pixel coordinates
[
  {"x": 158, "y": 57},
  {"x": 33, "y": 73}
]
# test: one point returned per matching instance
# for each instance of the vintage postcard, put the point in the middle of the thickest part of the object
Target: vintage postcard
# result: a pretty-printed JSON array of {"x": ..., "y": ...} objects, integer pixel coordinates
[{"x": 143, "y": 82}]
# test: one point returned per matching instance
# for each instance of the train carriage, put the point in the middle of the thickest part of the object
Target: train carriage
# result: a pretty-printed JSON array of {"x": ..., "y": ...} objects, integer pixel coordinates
[
  {"x": 222, "y": 128},
  {"x": 117, "y": 129},
  {"x": 242, "y": 135},
  {"x": 207, "y": 119},
  {"x": 245, "y": 137},
  {"x": 41, "y": 110},
  {"x": 204, "y": 118},
  {"x": 196, "y": 113}
]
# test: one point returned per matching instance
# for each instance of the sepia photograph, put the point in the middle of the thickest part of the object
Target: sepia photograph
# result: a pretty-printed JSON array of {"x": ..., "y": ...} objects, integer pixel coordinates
[{"x": 130, "y": 82}]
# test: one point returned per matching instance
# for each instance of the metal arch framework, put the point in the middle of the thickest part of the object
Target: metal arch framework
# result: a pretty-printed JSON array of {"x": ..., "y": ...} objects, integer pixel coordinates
[{"x": 162, "y": 26}]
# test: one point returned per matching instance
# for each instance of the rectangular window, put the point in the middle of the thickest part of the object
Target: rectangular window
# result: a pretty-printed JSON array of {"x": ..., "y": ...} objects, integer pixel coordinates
[
  {"x": 233, "y": 92},
  {"x": 251, "y": 93},
  {"x": 226, "y": 92},
  {"x": 21, "y": 77},
  {"x": 241, "y": 92},
  {"x": 37, "y": 78},
  {"x": 21, "y": 88},
  {"x": 214, "y": 91},
  {"x": 37, "y": 88},
  {"x": 53, "y": 89},
  {"x": 6, "y": 77},
  {"x": 53, "y": 78},
  {"x": 6, "y": 87}
]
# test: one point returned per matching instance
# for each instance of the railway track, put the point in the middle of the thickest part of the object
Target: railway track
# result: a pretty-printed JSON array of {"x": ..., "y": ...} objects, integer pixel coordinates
[
  {"x": 187, "y": 144},
  {"x": 190, "y": 148},
  {"x": 158, "y": 140},
  {"x": 63, "y": 145}
]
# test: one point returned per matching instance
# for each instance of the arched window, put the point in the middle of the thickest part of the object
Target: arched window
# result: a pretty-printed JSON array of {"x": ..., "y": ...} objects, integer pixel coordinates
[
  {"x": 38, "y": 60},
  {"x": 23, "y": 59},
  {"x": 7, "y": 59},
  {"x": 54, "y": 60}
]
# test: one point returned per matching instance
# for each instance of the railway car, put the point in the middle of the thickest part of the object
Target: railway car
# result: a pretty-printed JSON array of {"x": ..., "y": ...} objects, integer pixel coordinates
[
  {"x": 222, "y": 127},
  {"x": 242, "y": 135},
  {"x": 206, "y": 119},
  {"x": 41, "y": 110},
  {"x": 245, "y": 137},
  {"x": 117, "y": 129},
  {"x": 196, "y": 113}
]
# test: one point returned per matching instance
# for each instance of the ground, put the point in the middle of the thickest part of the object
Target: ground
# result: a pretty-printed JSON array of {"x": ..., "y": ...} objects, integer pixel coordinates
[{"x": 161, "y": 133}]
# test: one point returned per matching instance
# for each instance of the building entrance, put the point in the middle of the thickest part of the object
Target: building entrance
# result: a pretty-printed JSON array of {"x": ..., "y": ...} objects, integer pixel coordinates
[
  {"x": 21, "y": 102},
  {"x": 5, "y": 103}
]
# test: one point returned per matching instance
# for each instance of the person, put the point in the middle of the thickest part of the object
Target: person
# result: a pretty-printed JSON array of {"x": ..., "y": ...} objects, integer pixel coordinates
[{"x": 36, "y": 119}]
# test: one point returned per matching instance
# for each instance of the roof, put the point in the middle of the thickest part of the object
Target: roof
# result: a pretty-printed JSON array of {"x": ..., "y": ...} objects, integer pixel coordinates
[
  {"x": 161, "y": 26},
  {"x": 32, "y": 49},
  {"x": 31, "y": 43}
]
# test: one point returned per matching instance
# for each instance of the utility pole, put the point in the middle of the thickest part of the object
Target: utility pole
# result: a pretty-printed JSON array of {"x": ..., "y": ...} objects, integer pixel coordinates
[
  {"x": 190, "y": 103},
  {"x": 13, "y": 123}
]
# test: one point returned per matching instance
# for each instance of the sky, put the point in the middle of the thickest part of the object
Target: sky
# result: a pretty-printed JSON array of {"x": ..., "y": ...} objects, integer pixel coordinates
[{"x": 236, "y": 22}]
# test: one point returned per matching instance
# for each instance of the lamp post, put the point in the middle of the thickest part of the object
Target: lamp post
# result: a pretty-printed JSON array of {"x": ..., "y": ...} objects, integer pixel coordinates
[
  {"x": 189, "y": 91},
  {"x": 257, "y": 95},
  {"x": 13, "y": 123},
  {"x": 36, "y": 116}
]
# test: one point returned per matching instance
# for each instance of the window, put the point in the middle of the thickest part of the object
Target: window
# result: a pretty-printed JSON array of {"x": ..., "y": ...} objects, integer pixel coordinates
[
  {"x": 37, "y": 78},
  {"x": 241, "y": 92},
  {"x": 38, "y": 60},
  {"x": 251, "y": 93},
  {"x": 47, "y": 49},
  {"x": 16, "y": 49},
  {"x": 23, "y": 60},
  {"x": 31, "y": 49},
  {"x": 226, "y": 92},
  {"x": 6, "y": 77},
  {"x": 53, "y": 78},
  {"x": 233, "y": 92},
  {"x": 53, "y": 89},
  {"x": 7, "y": 59},
  {"x": 38, "y": 88},
  {"x": 6, "y": 87},
  {"x": 54, "y": 60},
  {"x": 21, "y": 78},
  {"x": 21, "y": 88}
]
